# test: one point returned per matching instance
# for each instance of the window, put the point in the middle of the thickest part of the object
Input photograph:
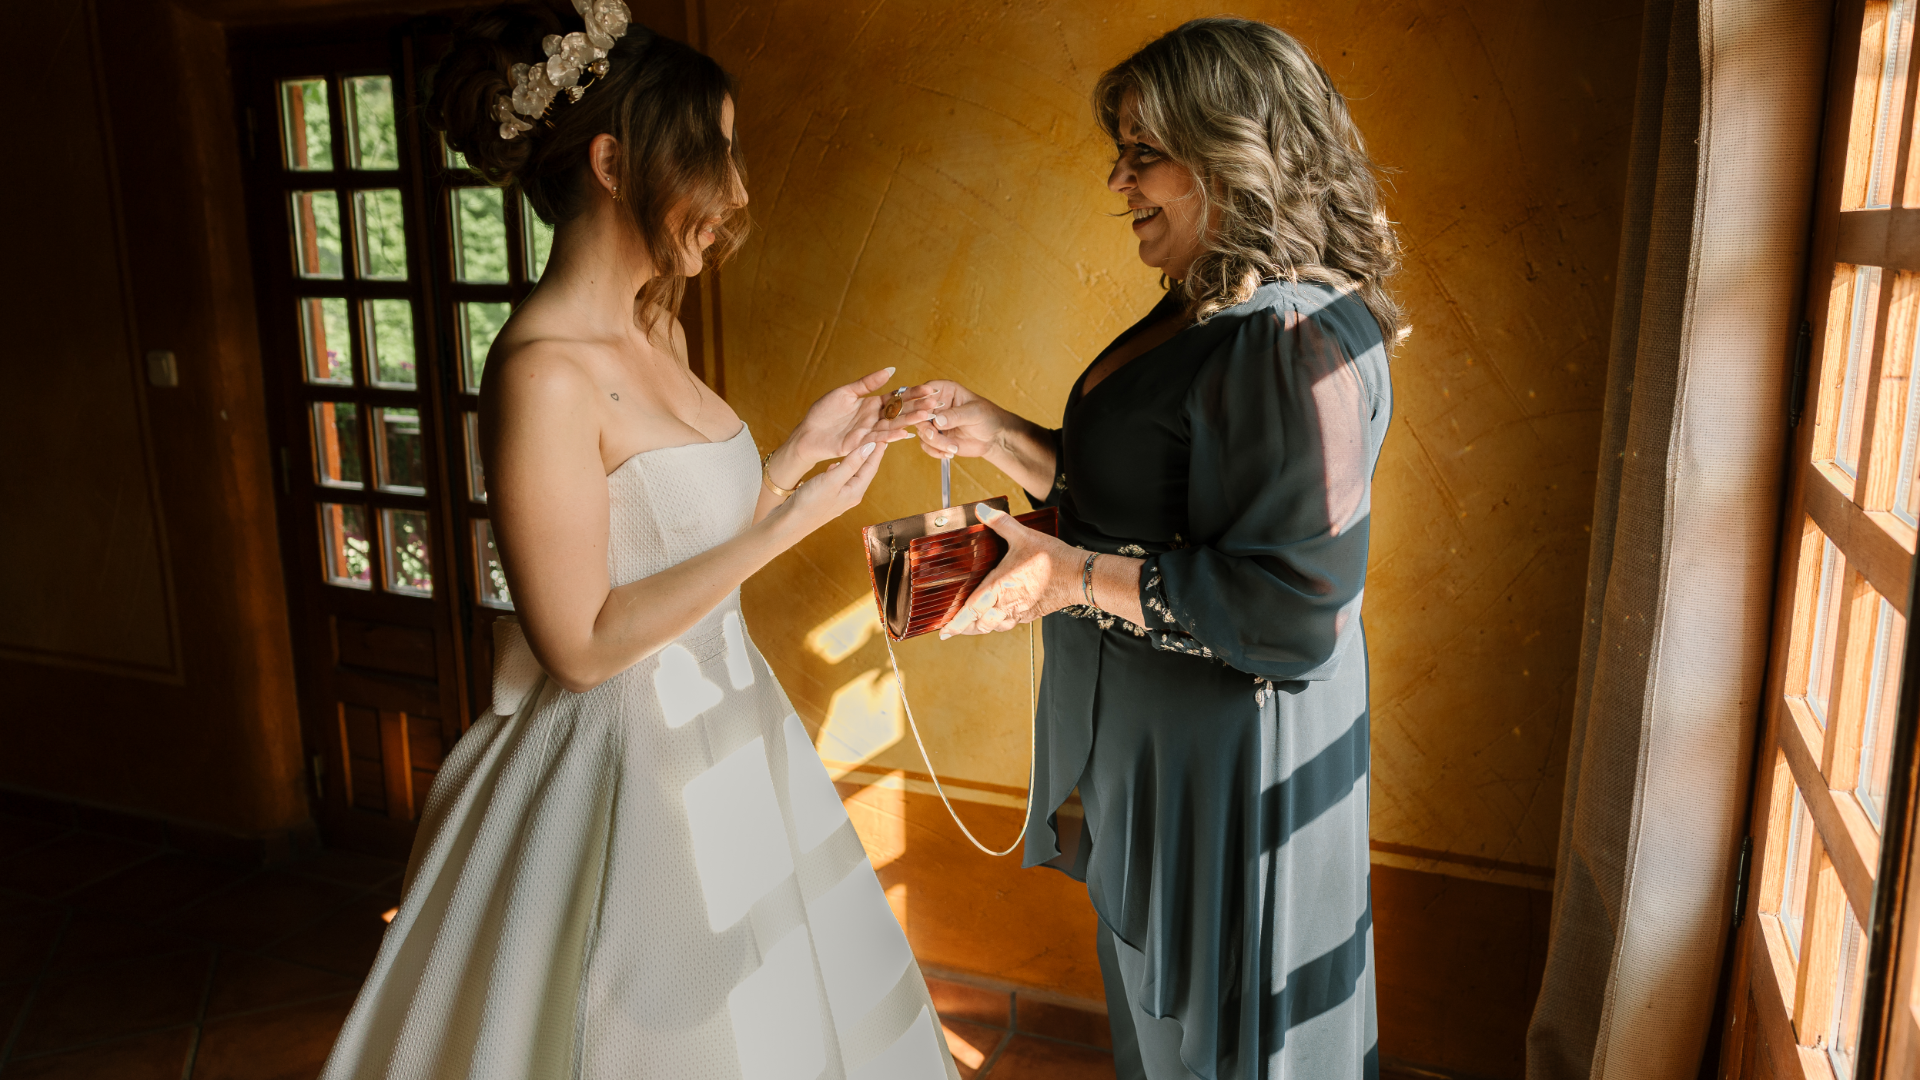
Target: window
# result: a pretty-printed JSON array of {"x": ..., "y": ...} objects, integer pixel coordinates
[
  {"x": 377, "y": 279},
  {"x": 1846, "y": 565},
  {"x": 359, "y": 338}
]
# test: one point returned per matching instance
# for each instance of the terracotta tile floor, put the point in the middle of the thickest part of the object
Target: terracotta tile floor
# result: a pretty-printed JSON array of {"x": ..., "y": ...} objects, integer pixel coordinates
[
  {"x": 997, "y": 1035},
  {"x": 121, "y": 959}
]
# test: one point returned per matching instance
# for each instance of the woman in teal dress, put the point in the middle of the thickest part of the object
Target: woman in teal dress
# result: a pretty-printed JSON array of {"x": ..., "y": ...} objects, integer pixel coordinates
[{"x": 1205, "y": 686}]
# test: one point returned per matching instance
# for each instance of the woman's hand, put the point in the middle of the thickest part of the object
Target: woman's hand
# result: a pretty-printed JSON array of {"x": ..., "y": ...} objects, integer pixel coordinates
[
  {"x": 834, "y": 492},
  {"x": 1039, "y": 575},
  {"x": 837, "y": 424},
  {"x": 951, "y": 420}
]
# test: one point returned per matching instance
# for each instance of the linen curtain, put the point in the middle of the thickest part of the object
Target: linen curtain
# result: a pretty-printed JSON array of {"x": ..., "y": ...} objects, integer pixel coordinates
[{"x": 1680, "y": 579}]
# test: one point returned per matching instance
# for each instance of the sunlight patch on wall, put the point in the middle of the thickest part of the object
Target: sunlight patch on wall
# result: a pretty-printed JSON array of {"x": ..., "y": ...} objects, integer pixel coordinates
[
  {"x": 845, "y": 631},
  {"x": 739, "y": 839},
  {"x": 879, "y": 813},
  {"x": 776, "y": 1015},
  {"x": 863, "y": 718}
]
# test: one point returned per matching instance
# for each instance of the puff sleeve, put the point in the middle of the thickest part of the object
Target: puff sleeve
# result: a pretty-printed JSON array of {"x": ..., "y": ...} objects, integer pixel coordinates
[{"x": 1278, "y": 503}]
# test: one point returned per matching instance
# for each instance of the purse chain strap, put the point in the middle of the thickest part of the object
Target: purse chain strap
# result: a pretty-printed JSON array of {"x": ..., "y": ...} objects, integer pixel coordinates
[{"x": 1033, "y": 741}]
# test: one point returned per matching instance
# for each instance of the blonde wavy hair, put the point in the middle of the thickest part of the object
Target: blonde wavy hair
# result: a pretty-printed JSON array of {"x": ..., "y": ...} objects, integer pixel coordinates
[{"x": 1286, "y": 187}]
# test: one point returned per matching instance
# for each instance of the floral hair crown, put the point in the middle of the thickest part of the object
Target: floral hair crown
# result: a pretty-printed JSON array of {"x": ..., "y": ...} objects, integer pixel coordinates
[{"x": 568, "y": 58}]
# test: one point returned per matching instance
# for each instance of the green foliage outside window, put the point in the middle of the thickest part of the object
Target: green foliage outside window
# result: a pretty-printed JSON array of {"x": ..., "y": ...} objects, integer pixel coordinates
[{"x": 375, "y": 145}]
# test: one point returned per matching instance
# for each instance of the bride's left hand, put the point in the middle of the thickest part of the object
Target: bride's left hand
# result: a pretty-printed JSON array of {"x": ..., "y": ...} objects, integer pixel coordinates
[
  {"x": 841, "y": 420},
  {"x": 1039, "y": 575}
]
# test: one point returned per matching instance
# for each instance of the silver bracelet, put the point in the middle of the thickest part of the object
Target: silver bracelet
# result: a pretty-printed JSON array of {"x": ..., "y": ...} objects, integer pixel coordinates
[{"x": 1086, "y": 579}]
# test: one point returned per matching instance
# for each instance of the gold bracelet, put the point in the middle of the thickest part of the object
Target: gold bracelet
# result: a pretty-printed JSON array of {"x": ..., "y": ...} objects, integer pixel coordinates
[{"x": 766, "y": 477}]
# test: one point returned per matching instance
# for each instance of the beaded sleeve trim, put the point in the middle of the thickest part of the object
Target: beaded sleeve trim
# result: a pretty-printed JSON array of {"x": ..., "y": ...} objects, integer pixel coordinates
[{"x": 1166, "y": 631}]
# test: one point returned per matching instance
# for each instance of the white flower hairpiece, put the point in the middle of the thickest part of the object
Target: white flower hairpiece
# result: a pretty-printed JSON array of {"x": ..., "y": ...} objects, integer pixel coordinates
[{"x": 568, "y": 57}]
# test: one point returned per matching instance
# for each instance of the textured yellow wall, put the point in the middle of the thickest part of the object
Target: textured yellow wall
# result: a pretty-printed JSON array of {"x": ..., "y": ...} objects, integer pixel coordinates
[{"x": 928, "y": 189}]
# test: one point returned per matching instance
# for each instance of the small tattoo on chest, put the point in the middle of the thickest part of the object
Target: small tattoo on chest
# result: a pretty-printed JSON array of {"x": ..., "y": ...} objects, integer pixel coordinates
[{"x": 615, "y": 397}]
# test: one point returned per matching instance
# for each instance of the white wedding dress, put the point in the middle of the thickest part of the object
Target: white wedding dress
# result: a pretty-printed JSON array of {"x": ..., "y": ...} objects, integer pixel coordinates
[{"x": 654, "y": 878}]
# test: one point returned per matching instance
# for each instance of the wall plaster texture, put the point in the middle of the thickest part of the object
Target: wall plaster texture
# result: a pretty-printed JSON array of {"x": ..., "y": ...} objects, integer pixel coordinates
[{"x": 928, "y": 192}]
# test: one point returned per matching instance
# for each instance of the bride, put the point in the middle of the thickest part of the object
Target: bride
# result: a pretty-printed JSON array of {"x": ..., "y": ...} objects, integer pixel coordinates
[{"x": 636, "y": 864}]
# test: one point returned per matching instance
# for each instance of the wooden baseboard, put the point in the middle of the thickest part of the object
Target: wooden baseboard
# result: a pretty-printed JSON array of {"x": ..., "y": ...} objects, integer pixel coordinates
[{"x": 1395, "y": 1069}]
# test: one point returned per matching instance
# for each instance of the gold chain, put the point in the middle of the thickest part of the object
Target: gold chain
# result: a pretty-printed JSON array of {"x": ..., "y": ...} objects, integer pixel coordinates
[{"x": 1033, "y": 699}]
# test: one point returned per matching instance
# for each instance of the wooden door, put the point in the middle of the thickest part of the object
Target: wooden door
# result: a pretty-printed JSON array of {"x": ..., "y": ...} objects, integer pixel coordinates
[
  {"x": 384, "y": 268},
  {"x": 351, "y": 342},
  {"x": 1825, "y": 788}
]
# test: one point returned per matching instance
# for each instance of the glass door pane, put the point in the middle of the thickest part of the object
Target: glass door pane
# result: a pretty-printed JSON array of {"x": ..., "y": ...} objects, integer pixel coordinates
[
  {"x": 380, "y": 228},
  {"x": 389, "y": 326},
  {"x": 1883, "y": 703},
  {"x": 493, "y": 577},
  {"x": 373, "y": 143},
  {"x": 306, "y": 126},
  {"x": 344, "y": 547},
  {"x": 1826, "y": 613},
  {"x": 409, "y": 551},
  {"x": 336, "y": 444},
  {"x": 480, "y": 235},
  {"x": 316, "y": 234},
  {"x": 326, "y": 340},
  {"x": 480, "y": 323},
  {"x": 399, "y": 451},
  {"x": 539, "y": 240}
]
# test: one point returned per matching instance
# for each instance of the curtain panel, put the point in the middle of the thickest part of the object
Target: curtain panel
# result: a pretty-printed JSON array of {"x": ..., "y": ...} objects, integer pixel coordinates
[{"x": 1686, "y": 523}]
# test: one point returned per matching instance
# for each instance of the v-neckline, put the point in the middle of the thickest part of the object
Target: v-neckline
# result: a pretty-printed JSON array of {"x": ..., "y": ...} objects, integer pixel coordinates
[{"x": 1080, "y": 389}]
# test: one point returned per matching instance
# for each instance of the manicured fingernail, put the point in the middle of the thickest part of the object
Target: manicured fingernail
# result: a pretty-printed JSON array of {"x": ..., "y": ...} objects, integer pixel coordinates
[
  {"x": 944, "y": 635},
  {"x": 987, "y": 513},
  {"x": 889, "y": 373},
  {"x": 865, "y": 449}
]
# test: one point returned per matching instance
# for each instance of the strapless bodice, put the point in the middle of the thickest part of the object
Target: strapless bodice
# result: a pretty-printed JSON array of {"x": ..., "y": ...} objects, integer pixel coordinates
[{"x": 670, "y": 504}]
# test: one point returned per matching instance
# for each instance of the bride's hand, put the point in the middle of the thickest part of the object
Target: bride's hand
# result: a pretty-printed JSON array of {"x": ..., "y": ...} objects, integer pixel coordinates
[
  {"x": 835, "y": 491},
  {"x": 952, "y": 421},
  {"x": 840, "y": 421},
  {"x": 1038, "y": 576}
]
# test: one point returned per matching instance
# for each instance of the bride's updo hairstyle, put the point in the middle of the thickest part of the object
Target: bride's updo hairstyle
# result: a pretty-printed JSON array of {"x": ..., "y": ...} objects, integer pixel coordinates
[
  {"x": 1285, "y": 186},
  {"x": 660, "y": 99}
]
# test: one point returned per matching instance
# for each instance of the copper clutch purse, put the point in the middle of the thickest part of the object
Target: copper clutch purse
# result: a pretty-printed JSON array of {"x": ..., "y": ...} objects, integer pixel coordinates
[{"x": 924, "y": 567}]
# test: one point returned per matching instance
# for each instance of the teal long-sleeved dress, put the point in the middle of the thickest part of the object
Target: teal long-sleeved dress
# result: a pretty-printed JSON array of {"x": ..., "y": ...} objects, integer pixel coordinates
[{"x": 1221, "y": 751}]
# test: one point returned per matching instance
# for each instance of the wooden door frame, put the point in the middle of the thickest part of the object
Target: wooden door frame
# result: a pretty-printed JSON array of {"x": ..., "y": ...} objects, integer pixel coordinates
[{"x": 260, "y": 57}]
